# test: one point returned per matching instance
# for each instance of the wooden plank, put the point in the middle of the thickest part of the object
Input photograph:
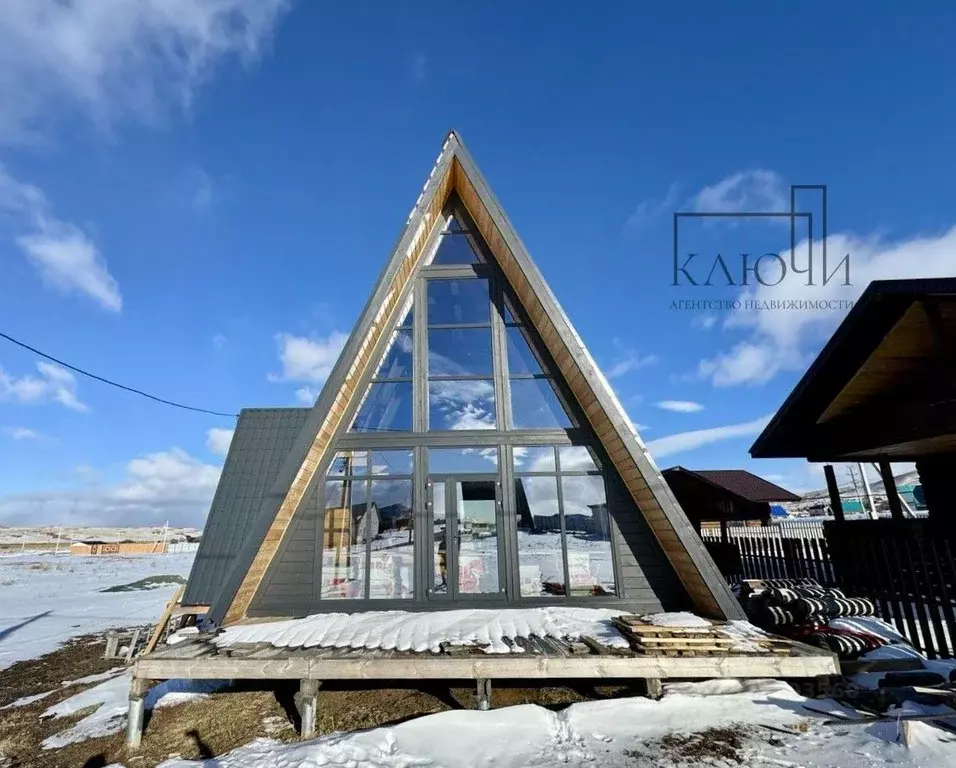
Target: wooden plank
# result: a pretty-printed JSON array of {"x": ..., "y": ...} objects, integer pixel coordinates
[
  {"x": 164, "y": 620},
  {"x": 488, "y": 666}
]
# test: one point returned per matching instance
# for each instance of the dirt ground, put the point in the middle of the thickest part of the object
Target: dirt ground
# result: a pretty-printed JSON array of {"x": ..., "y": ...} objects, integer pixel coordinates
[{"x": 215, "y": 725}]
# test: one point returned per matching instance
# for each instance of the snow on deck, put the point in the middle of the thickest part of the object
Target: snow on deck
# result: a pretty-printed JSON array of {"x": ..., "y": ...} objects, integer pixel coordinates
[{"x": 427, "y": 631}]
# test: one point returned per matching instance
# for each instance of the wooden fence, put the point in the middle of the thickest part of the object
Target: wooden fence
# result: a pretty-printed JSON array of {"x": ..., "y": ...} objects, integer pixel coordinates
[{"x": 907, "y": 568}]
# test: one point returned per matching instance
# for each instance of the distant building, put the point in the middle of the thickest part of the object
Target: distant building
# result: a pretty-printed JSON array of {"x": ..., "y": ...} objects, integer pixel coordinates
[{"x": 95, "y": 547}]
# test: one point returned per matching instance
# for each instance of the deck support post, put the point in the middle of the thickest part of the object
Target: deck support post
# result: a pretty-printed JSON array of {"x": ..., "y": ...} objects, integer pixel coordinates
[
  {"x": 137, "y": 711},
  {"x": 655, "y": 688},
  {"x": 306, "y": 701},
  {"x": 483, "y": 693},
  {"x": 112, "y": 644}
]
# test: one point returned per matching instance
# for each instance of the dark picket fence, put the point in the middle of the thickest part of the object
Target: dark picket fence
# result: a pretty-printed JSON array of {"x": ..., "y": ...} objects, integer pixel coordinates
[{"x": 906, "y": 567}]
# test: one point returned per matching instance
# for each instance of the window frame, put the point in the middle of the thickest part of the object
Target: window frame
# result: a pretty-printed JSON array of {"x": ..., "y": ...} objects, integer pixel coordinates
[
  {"x": 503, "y": 437},
  {"x": 557, "y": 473},
  {"x": 368, "y": 479}
]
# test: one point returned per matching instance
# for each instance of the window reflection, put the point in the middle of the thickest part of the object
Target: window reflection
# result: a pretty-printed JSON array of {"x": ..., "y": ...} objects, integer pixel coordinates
[
  {"x": 535, "y": 405},
  {"x": 462, "y": 460},
  {"x": 397, "y": 362},
  {"x": 387, "y": 408},
  {"x": 533, "y": 458},
  {"x": 457, "y": 302},
  {"x": 553, "y": 521},
  {"x": 521, "y": 359},
  {"x": 588, "y": 535},
  {"x": 346, "y": 527},
  {"x": 456, "y": 405},
  {"x": 540, "y": 561},
  {"x": 455, "y": 248},
  {"x": 459, "y": 352},
  {"x": 391, "y": 539}
]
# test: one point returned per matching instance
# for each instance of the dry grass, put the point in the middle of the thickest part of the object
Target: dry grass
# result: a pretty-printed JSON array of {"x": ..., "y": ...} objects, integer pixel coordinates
[
  {"x": 209, "y": 727},
  {"x": 711, "y": 746}
]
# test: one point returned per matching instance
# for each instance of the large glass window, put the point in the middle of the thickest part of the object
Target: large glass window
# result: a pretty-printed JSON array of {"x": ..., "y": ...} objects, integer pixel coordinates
[
  {"x": 461, "y": 390},
  {"x": 562, "y": 521},
  {"x": 368, "y": 526},
  {"x": 387, "y": 403},
  {"x": 455, "y": 246},
  {"x": 534, "y": 402}
]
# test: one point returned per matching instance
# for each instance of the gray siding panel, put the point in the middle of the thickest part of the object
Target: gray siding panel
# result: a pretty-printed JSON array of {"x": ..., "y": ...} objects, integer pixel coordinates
[
  {"x": 262, "y": 440},
  {"x": 643, "y": 569}
]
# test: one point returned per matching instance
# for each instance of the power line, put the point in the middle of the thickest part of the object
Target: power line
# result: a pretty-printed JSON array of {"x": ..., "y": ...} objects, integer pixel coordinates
[{"x": 135, "y": 391}]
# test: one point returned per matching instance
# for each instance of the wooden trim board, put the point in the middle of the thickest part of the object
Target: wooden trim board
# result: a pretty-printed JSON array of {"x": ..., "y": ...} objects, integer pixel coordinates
[{"x": 489, "y": 667}]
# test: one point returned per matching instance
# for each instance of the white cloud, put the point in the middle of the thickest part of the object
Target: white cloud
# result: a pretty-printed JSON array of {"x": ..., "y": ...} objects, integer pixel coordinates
[
  {"x": 22, "y": 433},
  {"x": 65, "y": 256},
  {"x": 306, "y": 395},
  {"x": 688, "y": 441},
  {"x": 705, "y": 322},
  {"x": 169, "y": 485},
  {"x": 218, "y": 440},
  {"x": 755, "y": 191},
  {"x": 649, "y": 211},
  {"x": 780, "y": 340},
  {"x": 54, "y": 383},
  {"x": 109, "y": 60},
  {"x": 305, "y": 359},
  {"x": 628, "y": 360},
  {"x": 680, "y": 406}
]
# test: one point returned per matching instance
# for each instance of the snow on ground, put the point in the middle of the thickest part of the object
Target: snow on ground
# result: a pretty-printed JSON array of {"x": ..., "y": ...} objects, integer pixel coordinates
[
  {"x": 408, "y": 631},
  {"x": 50, "y": 534},
  {"x": 45, "y": 599},
  {"x": 89, "y": 679},
  {"x": 615, "y": 732},
  {"x": 111, "y": 699}
]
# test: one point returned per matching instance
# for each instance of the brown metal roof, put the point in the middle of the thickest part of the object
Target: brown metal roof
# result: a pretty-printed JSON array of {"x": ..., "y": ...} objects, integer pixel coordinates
[{"x": 740, "y": 482}]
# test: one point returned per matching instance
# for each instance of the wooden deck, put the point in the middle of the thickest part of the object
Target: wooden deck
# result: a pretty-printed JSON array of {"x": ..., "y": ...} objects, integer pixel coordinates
[
  {"x": 538, "y": 659},
  {"x": 541, "y": 658}
]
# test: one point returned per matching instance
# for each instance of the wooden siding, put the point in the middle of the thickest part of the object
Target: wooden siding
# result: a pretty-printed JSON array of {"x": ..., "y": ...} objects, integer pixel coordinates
[
  {"x": 347, "y": 393},
  {"x": 579, "y": 382}
]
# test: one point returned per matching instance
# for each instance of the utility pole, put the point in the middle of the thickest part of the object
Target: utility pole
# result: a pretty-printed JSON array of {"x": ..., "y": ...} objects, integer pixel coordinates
[{"x": 871, "y": 506}]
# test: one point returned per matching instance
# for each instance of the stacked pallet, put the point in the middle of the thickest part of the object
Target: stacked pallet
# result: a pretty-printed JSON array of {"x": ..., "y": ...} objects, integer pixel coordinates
[{"x": 654, "y": 640}]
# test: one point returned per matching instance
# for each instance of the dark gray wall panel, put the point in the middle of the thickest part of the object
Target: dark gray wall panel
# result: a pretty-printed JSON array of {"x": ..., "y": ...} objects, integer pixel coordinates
[{"x": 262, "y": 440}]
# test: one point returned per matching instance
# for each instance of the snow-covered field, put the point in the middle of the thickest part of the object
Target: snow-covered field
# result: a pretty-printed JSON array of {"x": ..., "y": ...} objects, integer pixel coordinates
[
  {"x": 45, "y": 599},
  {"x": 618, "y": 732},
  {"x": 49, "y": 534}
]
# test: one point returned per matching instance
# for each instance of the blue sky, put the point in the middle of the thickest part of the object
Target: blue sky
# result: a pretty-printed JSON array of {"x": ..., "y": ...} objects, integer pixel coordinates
[{"x": 198, "y": 204}]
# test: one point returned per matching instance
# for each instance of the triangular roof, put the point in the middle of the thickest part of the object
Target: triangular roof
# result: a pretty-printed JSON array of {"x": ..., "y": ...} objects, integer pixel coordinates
[{"x": 455, "y": 172}]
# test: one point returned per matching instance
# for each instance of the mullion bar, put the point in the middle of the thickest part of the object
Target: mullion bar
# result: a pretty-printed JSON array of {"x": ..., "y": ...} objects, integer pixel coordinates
[
  {"x": 368, "y": 539},
  {"x": 457, "y": 326},
  {"x": 564, "y": 532}
]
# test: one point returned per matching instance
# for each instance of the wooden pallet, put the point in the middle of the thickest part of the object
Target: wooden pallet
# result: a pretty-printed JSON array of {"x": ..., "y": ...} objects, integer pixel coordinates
[{"x": 651, "y": 639}]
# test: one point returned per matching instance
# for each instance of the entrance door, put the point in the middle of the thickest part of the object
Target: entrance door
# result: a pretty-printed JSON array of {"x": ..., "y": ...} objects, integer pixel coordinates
[{"x": 466, "y": 554}]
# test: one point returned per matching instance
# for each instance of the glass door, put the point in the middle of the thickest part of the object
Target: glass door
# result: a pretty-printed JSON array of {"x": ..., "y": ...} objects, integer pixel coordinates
[{"x": 466, "y": 548}]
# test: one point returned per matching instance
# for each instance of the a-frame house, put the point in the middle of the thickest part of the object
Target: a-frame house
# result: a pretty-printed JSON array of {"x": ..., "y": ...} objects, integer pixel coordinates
[{"x": 465, "y": 451}]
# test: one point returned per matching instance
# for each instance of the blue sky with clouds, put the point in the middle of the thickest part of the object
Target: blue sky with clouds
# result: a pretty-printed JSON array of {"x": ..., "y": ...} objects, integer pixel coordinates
[{"x": 198, "y": 202}]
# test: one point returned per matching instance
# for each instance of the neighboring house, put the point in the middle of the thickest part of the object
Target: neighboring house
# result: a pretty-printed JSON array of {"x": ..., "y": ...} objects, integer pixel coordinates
[
  {"x": 465, "y": 404},
  {"x": 724, "y": 495}
]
